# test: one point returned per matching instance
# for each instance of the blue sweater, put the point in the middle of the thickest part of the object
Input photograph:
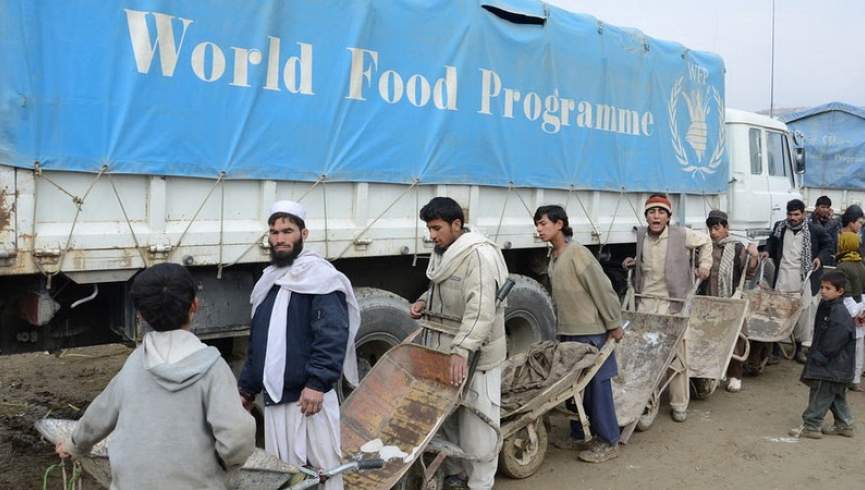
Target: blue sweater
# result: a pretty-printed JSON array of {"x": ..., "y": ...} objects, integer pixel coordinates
[{"x": 317, "y": 332}]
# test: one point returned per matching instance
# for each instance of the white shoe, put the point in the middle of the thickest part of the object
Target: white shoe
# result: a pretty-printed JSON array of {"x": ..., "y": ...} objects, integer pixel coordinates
[{"x": 734, "y": 385}]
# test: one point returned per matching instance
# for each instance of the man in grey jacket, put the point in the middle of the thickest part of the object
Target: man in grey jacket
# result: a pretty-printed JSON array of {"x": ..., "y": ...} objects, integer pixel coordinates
[
  {"x": 174, "y": 413},
  {"x": 465, "y": 271}
]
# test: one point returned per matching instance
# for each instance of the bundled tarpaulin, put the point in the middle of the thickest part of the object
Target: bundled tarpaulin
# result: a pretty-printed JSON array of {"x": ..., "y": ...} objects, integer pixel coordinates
[
  {"x": 834, "y": 139},
  {"x": 437, "y": 91}
]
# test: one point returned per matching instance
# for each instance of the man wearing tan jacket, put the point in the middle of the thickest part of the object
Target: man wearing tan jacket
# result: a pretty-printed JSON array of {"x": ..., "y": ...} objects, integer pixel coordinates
[
  {"x": 465, "y": 271},
  {"x": 663, "y": 269}
]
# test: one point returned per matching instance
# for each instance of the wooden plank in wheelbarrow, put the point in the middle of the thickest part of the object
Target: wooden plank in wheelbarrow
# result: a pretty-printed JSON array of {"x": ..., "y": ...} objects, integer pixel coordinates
[
  {"x": 713, "y": 328},
  {"x": 403, "y": 401},
  {"x": 643, "y": 356}
]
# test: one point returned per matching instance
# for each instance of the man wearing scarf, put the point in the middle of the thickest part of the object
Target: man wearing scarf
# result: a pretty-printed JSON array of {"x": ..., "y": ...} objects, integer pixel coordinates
[
  {"x": 730, "y": 259},
  {"x": 798, "y": 248},
  {"x": 663, "y": 268},
  {"x": 301, "y": 340},
  {"x": 465, "y": 272}
]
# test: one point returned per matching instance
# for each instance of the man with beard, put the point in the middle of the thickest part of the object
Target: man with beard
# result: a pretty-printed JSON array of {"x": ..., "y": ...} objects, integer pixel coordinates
[
  {"x": 465, "y": 271},
  {"x": 301, "y": 339},
  {"x": 662, "y": 268},
  {"x": 797, "y": 248}
]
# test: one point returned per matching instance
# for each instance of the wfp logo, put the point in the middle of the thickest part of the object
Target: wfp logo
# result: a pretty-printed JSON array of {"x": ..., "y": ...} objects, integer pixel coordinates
[{"x": 702, "y": 105}]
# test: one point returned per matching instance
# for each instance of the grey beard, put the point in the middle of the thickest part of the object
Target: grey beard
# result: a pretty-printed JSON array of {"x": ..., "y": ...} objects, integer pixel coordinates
[{"x": 282, "y": 259}]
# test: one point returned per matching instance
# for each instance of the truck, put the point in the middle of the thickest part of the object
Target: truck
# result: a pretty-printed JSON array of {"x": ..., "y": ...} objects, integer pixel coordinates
[
  {"x": 833, "y": 137},
  {"x": 134, "y": 133}
]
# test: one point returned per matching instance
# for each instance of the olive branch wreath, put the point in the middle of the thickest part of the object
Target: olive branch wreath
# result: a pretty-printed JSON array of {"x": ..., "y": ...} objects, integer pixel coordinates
[{"x": 679, "y": 149}]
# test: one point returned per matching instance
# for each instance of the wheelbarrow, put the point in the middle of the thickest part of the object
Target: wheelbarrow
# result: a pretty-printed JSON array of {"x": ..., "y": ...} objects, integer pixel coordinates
[
  {"x": 644, "y": 355},
  {"x": 523, "y": 427},
  {"x": 401, "y": 404},
  {"x": 261, "y": 470},
  {"x": 714, "y": 326},
  {"x": 772, "y": 317}
]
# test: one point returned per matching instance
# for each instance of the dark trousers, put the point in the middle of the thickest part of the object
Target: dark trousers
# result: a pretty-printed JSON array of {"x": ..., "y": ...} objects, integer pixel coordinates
[
  {"x": 826, "y": 396},
  {"x": 599, "y": 406},
  {"x": 598, "y": 396}
]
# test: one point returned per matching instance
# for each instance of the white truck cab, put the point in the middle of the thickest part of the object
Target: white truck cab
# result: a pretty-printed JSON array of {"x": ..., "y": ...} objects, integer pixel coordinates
[{"x": 765, "y": 171}]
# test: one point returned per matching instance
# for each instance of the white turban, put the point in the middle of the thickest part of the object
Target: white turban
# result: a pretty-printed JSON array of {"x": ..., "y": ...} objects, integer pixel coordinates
[{"x": 289, "y": 207}]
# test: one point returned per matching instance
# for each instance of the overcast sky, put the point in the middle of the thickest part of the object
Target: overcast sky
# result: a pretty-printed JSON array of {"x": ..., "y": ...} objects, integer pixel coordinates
[{"x": 818, "y": 44}]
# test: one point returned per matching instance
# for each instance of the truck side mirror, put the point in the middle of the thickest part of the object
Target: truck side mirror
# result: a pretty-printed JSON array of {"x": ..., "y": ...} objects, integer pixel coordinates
[{"x": 800, "y": 160}]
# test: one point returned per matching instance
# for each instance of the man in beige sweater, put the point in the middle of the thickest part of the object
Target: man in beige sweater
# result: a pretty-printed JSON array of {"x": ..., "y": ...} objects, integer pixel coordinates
[
  {"x": 587, "y": 311},
  {"x": 663, "y": 269},
  {"x": 465, "y": 271}
]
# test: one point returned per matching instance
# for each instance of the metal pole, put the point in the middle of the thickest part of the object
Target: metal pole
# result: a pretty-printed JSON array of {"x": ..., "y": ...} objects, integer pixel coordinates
[{"x": 772, "y": 66}]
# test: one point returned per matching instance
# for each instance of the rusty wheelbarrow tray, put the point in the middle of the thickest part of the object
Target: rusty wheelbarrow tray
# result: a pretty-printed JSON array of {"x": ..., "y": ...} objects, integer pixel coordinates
[
  {"x": 644, "y": 356},
  {"x": 525, "y": 438},
  {"x": 773, "y": 314},
  {"x": 260, "y": 471},
  {"x": 714, "y": 326},
  {"x": 403, "y": 400}
]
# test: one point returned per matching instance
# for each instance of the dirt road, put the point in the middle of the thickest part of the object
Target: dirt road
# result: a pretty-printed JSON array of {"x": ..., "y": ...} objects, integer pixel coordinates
[{"x": 729, "y": 441}]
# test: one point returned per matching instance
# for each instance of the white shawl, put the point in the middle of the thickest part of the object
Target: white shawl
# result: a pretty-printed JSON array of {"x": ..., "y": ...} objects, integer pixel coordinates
[
  {"x": 445, "y": 265},
  {"x": 309, "y": 274}
]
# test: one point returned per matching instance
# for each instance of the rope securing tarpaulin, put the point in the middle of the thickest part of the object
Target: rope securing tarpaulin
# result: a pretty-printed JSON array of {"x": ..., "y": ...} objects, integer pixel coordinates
[{"x": 501, "y": 93}]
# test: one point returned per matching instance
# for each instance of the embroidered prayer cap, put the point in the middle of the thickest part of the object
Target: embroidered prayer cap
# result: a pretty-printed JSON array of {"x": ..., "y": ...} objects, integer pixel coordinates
[
  {"x": 289, "y": 207},
  {"x": 659, "y": 201}
]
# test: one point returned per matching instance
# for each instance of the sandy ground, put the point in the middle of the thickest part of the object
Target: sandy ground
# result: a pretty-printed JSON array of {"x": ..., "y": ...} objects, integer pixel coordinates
[{"x": 729, "y": 441}]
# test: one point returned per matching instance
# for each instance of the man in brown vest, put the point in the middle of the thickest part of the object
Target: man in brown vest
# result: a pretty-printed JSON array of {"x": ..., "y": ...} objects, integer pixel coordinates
[{"x": 663, "y": 267}]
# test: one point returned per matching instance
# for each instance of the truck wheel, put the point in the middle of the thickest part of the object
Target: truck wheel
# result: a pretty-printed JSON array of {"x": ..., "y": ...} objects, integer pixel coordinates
[
  {"x": 530, "y": 316},
  {"x": 650, "y": 413},
  {"x": 523, "y": 453},
  {"x": 384, "y": 323}
]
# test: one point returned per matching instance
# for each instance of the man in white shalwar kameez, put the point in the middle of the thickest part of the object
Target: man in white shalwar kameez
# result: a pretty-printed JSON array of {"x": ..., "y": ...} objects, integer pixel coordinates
[{"x": 301, "y": 340}]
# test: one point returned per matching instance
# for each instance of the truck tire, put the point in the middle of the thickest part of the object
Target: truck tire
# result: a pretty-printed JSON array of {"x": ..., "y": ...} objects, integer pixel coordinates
[
  {"x": 530, "y": 316},
  {"x": 384, "y": 323}
]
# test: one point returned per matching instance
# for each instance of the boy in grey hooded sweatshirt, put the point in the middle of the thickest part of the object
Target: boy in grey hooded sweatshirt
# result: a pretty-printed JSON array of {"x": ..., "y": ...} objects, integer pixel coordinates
[{"x": 175, "y": 417}]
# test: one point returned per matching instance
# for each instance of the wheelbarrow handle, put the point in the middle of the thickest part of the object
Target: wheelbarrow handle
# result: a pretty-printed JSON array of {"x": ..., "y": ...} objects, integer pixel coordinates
[{"x": 747, "y": 353}]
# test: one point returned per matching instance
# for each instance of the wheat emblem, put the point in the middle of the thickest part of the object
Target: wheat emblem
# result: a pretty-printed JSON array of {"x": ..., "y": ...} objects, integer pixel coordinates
[{"x": 697, "y": 134}]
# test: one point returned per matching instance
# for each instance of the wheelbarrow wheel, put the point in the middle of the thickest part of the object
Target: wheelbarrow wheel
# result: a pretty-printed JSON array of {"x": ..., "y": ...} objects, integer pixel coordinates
[
  {"x": 704, "y": 387},
  {"x": 414, "y": 478},
  {"x": 523, "y": 453},
  {"x": 650, "y": 413}
]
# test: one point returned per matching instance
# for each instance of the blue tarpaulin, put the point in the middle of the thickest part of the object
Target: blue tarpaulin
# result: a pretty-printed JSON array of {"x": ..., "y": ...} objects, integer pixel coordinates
[
  {"x": 509, "y": 92},
  {"x": 834, "y": 141}
]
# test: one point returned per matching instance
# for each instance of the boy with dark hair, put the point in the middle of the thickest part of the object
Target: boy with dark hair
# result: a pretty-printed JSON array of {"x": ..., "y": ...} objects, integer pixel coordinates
[
  {"x": 829, "y": 368},
  {"x": 823, "y": 216},
  {"x": 175, "y": 416},
  {"x": 730, "y": 259},
  {"x": 587, "y": 311}
]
